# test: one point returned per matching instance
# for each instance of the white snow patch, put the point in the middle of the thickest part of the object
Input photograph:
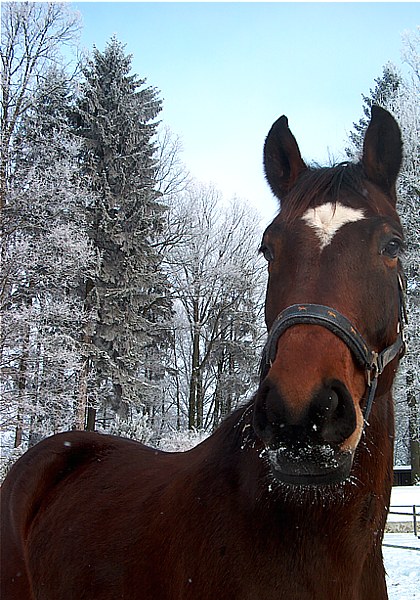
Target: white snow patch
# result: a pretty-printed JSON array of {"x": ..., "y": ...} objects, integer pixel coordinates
[
  {"x": 402, "y": 566},
  {"x": 404, "y": 496},
  {"x": 403, "y": 573}
]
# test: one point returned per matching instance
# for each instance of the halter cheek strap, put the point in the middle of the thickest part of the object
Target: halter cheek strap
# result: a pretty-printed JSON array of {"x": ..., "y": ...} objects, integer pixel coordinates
[{"x": 316, "y": 314}]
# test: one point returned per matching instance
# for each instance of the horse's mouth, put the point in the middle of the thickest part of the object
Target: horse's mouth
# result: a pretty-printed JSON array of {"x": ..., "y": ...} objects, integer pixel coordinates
[{"x": 319, "y": 466}]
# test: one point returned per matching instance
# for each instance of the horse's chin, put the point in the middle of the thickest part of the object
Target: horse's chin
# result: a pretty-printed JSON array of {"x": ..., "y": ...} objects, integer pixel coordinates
[{"x": 311, "y": 470}]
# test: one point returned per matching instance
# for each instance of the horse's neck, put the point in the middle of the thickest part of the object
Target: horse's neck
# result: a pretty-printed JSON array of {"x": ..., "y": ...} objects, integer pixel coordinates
[
  {"x": 295, "y": 534},
  {"x": 363, "y": 499}
]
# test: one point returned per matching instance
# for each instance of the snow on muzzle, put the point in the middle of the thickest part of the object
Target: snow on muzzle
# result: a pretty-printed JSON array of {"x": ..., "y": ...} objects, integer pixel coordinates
[{"x": 311, "y": 442}]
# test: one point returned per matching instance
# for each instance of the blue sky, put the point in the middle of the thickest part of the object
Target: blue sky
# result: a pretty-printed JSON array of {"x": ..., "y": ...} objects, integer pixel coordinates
[{"x": 226, "y": 71}]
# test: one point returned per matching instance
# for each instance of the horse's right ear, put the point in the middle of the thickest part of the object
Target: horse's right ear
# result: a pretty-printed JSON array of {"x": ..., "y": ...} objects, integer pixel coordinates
[
  {"x": 382, "y": 150},
  {"x": 282, "y": 160}
]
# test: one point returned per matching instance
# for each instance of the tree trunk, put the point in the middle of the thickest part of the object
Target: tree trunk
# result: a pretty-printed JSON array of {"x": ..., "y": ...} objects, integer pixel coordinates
[
  {"x": 413, "y": 429},
  {"x": 90, "y": 420},
  {"x": 195, "y": 368},
  {"x": 22, "y": 385},
  {"x": 3, "y": 179},
  {"x": 192, "y": 401},
  {"x": 178, "y": 387},
  {"x": 218, "y": 394},
  {"x": 82, "y": 417},
  {"x": 81, "y": 403},
  {"x": 199, "y": 400},
  {"x": 229, "y": 400}
]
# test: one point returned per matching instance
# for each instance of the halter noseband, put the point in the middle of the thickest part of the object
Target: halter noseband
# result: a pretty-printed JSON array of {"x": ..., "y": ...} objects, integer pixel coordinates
[{"x": 316, "y": 314}]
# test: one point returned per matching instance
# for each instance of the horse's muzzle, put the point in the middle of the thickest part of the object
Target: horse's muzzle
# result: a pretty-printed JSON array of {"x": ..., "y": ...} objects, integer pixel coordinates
[
  {"x": 317, "y": 465},
  {"x": 307, "y": 445}
]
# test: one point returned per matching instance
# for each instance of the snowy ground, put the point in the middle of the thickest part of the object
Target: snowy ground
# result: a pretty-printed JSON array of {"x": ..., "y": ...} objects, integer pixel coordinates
[
  {"x": 403, "y": 573},
  {"x": 402, "y": 565},
  {"x": 404, "y": 496}
]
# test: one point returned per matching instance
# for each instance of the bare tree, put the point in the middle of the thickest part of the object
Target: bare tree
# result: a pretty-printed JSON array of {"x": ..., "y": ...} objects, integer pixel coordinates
[
  {"x": 217, "y": 285},
  {"x": 172, "y": 177},
  {"x": 411, "y": 51},
  {"x": 32, "y": 35}
]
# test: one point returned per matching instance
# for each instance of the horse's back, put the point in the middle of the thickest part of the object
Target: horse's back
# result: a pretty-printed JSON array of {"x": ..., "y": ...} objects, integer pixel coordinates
[{"x": 59, "y": 485}]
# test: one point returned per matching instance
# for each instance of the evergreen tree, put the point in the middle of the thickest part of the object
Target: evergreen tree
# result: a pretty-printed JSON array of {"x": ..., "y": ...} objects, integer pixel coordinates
[
  {"x": 115, "y": 117},
  {"x": 387, "y": 87}
]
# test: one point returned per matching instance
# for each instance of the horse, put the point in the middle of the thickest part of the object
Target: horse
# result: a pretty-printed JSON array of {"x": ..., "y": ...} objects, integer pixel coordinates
[{"x": 288, "y": 498}]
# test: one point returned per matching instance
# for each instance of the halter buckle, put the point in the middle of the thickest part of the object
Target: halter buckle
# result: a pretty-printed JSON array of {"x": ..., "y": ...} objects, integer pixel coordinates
[{"x": 373, "y": 370}]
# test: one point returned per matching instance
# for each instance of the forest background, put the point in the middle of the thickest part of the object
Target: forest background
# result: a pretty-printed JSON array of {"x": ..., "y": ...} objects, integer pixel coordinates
[{"x": 131, "y": 295}]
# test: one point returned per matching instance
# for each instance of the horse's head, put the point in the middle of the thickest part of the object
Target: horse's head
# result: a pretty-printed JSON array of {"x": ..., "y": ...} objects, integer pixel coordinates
[{"x": 333, "y": 304}]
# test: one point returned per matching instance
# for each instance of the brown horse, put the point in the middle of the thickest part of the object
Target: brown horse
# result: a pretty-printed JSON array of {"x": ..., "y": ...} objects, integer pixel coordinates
[{"x": 288, "y": 498}]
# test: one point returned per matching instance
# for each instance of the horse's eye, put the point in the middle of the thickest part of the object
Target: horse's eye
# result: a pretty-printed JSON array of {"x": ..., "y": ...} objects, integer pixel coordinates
[
  {"x": 267, "y": 253},
  {"x": 392, "y": 248}
]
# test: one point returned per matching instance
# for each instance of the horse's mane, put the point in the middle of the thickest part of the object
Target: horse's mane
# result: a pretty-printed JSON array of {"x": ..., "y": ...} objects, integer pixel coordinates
[{"x": 317, "y": 185}]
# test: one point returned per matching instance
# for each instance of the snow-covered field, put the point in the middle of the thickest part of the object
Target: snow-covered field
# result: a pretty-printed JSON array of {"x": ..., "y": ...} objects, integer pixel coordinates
[
  {"x": 403, "y": 573},
  {"x": 404, "y": 496},
  {"x": 402, "y": 565}
]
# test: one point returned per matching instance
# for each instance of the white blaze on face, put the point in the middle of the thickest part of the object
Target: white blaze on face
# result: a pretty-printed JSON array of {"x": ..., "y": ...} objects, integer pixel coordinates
[{"x": 328, "y": 218}]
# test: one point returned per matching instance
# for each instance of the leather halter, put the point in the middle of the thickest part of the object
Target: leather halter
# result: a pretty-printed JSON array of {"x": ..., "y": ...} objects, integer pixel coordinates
[{"x": 316, "y": 314}]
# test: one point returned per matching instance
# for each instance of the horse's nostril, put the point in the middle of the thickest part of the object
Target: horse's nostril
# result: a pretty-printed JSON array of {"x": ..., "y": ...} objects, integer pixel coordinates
[
  {"x": 332, "y": 413},
  {"x": 333, "y": 398},
  {"x": 327, "y": 403},
  {"x": 328, "y": 418}
]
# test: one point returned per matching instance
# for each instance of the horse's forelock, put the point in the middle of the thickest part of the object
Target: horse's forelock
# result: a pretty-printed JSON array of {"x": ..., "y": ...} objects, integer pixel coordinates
[{"x": 318, "y": 185}]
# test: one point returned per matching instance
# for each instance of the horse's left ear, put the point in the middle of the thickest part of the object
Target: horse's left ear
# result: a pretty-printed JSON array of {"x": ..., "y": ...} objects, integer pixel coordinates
[
  {"x": 282, "y": 160},
  {"x": 382, "y": 150}
]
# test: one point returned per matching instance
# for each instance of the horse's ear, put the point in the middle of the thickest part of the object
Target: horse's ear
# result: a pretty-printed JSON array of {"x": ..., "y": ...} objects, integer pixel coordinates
[
  {"x": 282, "y": 160},
  {"x": 382, "y": 150}
]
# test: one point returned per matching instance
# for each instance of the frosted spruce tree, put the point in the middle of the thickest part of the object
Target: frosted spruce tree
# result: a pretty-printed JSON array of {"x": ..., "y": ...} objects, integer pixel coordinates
[
  {"x": 115, "y": 118},
  {"x": 46, "y": 253},
  {"x": 386, "y": 87}
]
